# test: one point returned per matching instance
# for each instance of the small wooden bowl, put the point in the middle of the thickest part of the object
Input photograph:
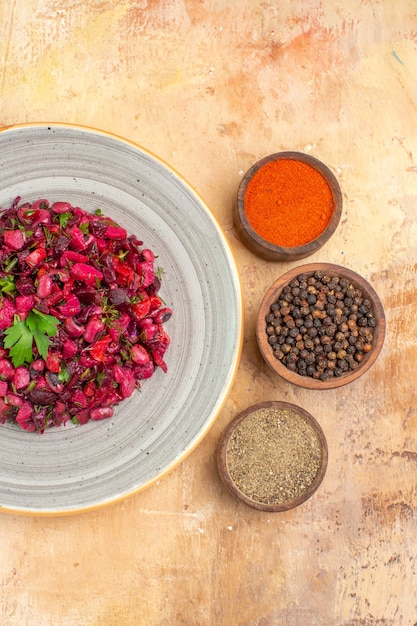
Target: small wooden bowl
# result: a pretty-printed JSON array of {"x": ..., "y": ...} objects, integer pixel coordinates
[
  {"x": 268, "y": 250},
  {"x": 224, "y": 469},
  {"x": 272, "y": 296}
]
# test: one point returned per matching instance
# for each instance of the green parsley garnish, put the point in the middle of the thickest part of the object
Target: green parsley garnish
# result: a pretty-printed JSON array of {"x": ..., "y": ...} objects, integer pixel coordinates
[{"x": 19, "y": 338}]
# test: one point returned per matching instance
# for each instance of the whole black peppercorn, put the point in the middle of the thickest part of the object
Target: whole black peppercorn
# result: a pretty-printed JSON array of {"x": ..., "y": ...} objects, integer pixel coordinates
[{"x": 321, "y": 326}]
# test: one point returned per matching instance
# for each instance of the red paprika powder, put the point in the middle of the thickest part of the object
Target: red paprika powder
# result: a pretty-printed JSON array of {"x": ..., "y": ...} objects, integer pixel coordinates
[{"x": 288, "y": 202}]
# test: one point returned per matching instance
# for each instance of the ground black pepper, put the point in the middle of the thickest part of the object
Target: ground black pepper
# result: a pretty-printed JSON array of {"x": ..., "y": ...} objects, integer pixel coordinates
[
  {"x": 274, "y": 455},
  {"x": 321, "y": 326}
]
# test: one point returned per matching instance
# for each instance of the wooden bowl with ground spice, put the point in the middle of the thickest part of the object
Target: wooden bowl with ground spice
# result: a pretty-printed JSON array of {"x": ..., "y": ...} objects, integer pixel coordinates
[
  {"x": 272, "y": 456},
  {"x": 320, "y": 326},
  {"x": 288, "y": 205}
]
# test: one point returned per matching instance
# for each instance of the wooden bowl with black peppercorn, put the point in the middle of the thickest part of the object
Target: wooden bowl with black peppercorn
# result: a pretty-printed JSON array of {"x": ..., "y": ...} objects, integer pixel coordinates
[
  {"x": 320, "y": 326},
  {"x": 272, "y": 456},
  {"x": 288, "y": 206}
]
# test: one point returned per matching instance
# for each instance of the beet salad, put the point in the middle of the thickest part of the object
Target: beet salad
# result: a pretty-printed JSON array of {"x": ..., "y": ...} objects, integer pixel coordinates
[{"x": 81, "y": 322}]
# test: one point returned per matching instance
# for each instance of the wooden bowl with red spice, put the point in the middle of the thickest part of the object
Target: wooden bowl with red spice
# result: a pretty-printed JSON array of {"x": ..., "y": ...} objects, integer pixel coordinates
[
  {"x": 320, "y": 326},
  {"x": 272, "y": 456},
  {"x": 288, "y": 206}
]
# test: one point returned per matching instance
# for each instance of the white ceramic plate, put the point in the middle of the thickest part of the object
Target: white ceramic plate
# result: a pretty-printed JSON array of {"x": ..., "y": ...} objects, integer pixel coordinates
[{"x": 77, "y": 468}]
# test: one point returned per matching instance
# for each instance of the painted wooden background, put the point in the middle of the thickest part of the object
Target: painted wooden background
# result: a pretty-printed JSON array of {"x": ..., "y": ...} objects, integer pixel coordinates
[{"x": 211, "y": 86}]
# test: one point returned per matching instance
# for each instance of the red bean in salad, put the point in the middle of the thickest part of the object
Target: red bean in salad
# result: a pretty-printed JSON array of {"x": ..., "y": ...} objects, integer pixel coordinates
[{"x": 81, "y": 321}]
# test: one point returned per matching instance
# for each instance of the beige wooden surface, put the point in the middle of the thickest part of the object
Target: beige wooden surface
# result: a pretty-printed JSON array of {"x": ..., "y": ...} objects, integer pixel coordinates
[{"x": 210, "y": 86}]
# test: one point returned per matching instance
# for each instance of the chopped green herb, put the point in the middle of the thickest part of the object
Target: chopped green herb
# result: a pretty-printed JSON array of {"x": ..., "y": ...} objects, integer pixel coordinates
[
  {"x": 10, "y": 265},
  {"x": 64, "y": 375},
  {"x": 100, "y": 378},
  {"x": 7, "y": 284},
  {"x": 64, "y": 219},
  {"x": 85, "y": 373},
  {"x": 159, "y": 272}
]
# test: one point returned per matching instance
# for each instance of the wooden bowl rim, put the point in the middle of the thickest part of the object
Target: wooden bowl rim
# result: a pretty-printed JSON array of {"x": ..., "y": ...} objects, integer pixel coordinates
[
  {"x": 281, "y": 252},
  {"x": 222, "y": 460},
  {"x": 306, "y": 381}
]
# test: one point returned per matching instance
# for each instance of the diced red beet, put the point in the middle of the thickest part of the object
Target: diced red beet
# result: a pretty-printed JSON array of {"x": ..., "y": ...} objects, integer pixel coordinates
[
  {"x": 99, "y": 350},
  {"x": 86, "y": 273},
  {"x": 90, "y": 389},
  {"x": 144, "y": 371},
  {"x": 7, "y": 312},
  {"x": 77, "y": 241},
  {"x": 155, "y": 302},
  {"x": 148, "y": 255},
  {"x": 118, "y": 296},
  {"x": 44, "y": 397},
  {"x": 36, "y": 257},
  {"x": 122, "y": 322},
  {"x": 141, "y": 309},
  {"x": 24, "y": 285},
  {"x": 83, "y": 416},
  {"x": 4, "y": 411},
  {"x": 68, "y": 287},
  {"x": 20, "y": 378},
  {"x": 41, "y": 383},
  {"x": 56, "y": 296},
  {"x": 101, "y": 244},
  {"x": 52, "y": 363},
  {"x": 80, "y": 399},
  {"x": 38, "y": 365},
  {"x": 44, "y": 288},
  {"x": 86, "y": 361},
  {"x": 13, "y": 399},
  {"x": 6, "y": 369},
  {"x": 149, "y": 332},
  {"x": 70, "y": 256},
  {"x": 14, "y": 239},
  {"x": 60, "y": 415},
  {"x": 24, "y": 304},
  {"x": 147, "y": 272},
  {"x": 85, "y": 294},
  {"x": 118, "y": 373},
  {"x": 71, "y": 307},
  {"x": 69, "y": 349},
  {"x": 24, "y": 417},
  {"x": 41, "y": 216},
  {"x": 114, "y": 232}
]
